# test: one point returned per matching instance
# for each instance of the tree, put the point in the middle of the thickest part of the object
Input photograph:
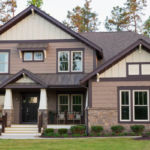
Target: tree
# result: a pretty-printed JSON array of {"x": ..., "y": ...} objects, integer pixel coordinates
[
  {"x": 119, "y": 20},
  {"x": 135, "y": 10},
  {"x": 147, "y": 27},
  {"x": 37, "y": 3},
  {"x": 128, "y": 17},
  {"x": 7, "y": 10},
  {"x": 82, "y": 19}
]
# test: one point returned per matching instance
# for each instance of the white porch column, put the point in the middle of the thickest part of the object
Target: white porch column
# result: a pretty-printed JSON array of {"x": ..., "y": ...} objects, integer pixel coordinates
[
  {"x": 8, "y": 102},
  {"x": 43, "y": 107},
  {"x": 8, "y": 106},
  {"x": 43, "y": 100}
]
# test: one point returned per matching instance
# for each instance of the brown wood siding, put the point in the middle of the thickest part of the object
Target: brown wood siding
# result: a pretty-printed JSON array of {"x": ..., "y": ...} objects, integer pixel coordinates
[
  {"x": 49, "y": 65},
  {"x": 104, "y": 94}
]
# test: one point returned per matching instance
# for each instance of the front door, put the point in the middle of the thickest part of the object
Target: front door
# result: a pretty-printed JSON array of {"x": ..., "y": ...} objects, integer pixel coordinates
[{"x": 30, "y": 104}]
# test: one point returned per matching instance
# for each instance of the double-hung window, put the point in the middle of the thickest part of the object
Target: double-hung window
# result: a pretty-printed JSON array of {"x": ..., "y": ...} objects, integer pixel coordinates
[
  {"x": 125, "y": 105},
  {"x": 4, "y": 59},
  {"x": 141, "y": 105},
  {"x": 70, "y": 61},
  {"x": 63, "y": 61},
  {"x": 63, "y": 103},
  {"x": 76, "y": 61}
]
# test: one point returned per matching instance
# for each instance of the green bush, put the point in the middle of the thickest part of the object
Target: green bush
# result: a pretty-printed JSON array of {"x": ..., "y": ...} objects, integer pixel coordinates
[
  {"x": 117, "y": 129},
  {"x": 62, "y": 131},
  {"x": 76, "y": 135},
  {"x": 146, "y": 134},
  {"x": 79, "y": 129},
  {"x": 48, "y": 131},
  {"x": 137, "y": 129},
  {"x": 96, "y": 129}
]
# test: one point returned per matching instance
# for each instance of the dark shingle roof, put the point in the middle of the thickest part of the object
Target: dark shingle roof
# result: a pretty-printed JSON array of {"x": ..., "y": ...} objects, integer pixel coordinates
[{"x": 113, "y": 42}]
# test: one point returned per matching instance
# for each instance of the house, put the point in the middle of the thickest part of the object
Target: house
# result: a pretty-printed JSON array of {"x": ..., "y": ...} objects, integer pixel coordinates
[{"x": 49, "y": 72}]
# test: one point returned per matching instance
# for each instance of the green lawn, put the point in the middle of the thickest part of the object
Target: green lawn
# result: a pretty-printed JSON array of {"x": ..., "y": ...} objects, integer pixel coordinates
[{"x": 75, "y": 144}]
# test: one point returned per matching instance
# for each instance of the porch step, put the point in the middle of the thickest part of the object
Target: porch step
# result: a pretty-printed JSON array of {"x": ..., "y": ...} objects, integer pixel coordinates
[{"x": 21, "y": 130}]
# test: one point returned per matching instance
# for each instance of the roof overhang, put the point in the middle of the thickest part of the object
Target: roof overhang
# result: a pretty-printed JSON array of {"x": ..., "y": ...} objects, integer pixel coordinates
[
  {"x": 117, "y": 58},
  {"x": 29, "y": 11}
]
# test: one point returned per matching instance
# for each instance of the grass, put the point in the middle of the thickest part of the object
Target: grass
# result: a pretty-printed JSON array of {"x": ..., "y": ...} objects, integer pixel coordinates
[{"x": 75, "y": 144}]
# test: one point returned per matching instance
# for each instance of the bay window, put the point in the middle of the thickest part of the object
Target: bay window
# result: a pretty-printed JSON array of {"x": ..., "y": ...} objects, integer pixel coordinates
[{"x": 4, "y": 59}]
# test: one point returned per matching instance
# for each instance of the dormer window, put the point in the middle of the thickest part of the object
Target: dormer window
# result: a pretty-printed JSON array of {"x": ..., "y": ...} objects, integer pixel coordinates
[{"x": 33, "y": 56}]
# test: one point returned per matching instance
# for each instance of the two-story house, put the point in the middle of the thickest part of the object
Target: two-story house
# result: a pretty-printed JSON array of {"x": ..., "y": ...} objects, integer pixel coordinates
[{"x": 49, "y": 71}]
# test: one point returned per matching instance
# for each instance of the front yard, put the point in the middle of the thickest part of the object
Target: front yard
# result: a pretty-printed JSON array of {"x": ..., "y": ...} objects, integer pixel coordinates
[{"x": 75, "y": 144}]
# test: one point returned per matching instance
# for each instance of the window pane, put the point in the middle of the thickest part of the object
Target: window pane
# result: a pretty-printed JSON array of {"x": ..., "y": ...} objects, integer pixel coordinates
[
  {"x": 38, "y": 55},
  {"x": 63, "y": 108},
  {"x": 141, "y": 112},
  {"x": 63, "y": 99},
  {"x": 63, "y": 61},
  {"x": 77, "y": 61},
  {"x": 3, "y": 62},
  {"x": 27, "y": 56},
  {"x": 125, "y": 98},
  {"x": 140, "y": 98},
  {"x": 77, "y": 108},
  {"x": 125, "y": 113},
  {"x": 77, "y": 100}
]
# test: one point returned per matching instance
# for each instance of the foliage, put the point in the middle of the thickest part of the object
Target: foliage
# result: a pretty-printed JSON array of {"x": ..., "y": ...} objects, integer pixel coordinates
[
  {"x": 37, "y": 3},
  {"x": 146, "y": 134},
  {"x": 79, "y": 129},
  {"x": 128, "y": 17},
  {"x": 119, "y": 20},
  {"x": 48, "y": 132},
  {"x": 117, "y": 129},
  {"x": 7, "y": 10},
  {"x": 82, "y": 19},
  {"x": 137, "y": 129},
  {"x": 96, "y": 129},
  {"x": 62, "y": 131},
  {"x": 147, "y": 27}
]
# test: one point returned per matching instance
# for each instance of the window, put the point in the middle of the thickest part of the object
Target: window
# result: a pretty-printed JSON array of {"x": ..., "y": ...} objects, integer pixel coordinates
[
  {"x": 145, "y": 69},
  {"x": 134, "y": 69},
  {"x": 70, "y": 61},
  {"x": 141, "y": 105},
  {"x": 77, "y": 103},
  {"x": 33, "y": 56},
  {"x": 4, "y": 56},
  {"x": 63, "y": 61},
  {"x": 76, "y": 65},
  {"x": 38, "y": 56},
  {"x": 125, "y": 105},
  {"x": 63, "y": 103},
  {"x": 2, "y": 101}
]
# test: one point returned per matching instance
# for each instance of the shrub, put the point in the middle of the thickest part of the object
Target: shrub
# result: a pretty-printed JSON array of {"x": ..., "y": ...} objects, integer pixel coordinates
[
  {"x": 96, "y": 129},
  {"x": 48, "y": 132},
  {"x": 62, "y": 131},
  {"x": 137, "y": 129},
  {"x": 79, "y": 129},
  {"x": 147, "y": 134},
  {"x": 117, "y": 129}
]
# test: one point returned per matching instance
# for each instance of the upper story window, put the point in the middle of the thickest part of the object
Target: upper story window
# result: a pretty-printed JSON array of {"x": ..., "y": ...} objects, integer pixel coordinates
[
  {"x": 70, "y": 61},
  {"x": 138, "y": 68},
  {"x": 4, "y": 60},
  {"x": 33, "y": 56}
]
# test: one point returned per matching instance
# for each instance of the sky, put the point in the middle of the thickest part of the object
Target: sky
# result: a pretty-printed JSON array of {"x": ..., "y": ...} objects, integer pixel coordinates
[{"x": 58, "y": 8}]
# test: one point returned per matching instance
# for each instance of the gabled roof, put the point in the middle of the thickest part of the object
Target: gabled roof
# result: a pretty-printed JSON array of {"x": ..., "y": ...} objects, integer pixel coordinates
[
  {"x": 19, "y": 75},
  {"x": 117, "y": 58},
  {"x": 28, "y": 11}
]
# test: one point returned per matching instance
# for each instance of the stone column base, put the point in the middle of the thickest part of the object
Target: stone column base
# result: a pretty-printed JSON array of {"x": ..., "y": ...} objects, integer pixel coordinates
[
  {"x": 9, "y": 116},
  {"x": 44, "y": 113}
]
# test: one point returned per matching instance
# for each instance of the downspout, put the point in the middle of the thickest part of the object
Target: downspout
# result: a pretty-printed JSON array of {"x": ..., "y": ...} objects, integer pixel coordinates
[{"x": 86, "y": 112}]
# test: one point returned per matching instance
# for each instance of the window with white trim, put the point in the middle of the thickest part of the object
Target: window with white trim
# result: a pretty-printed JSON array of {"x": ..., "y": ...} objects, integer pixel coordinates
[
  {"x": 125, "y": 105},
  {"x": 63, "y": 103},
  {"x": 70, "y": 61},
  {"x": 76, "y": 61},
  {"x": 63, "y": 61},
  {"x": 4, "y": 59},
  {"x": 77, "y": 102},
  {"x": 141, "y": 105}
]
